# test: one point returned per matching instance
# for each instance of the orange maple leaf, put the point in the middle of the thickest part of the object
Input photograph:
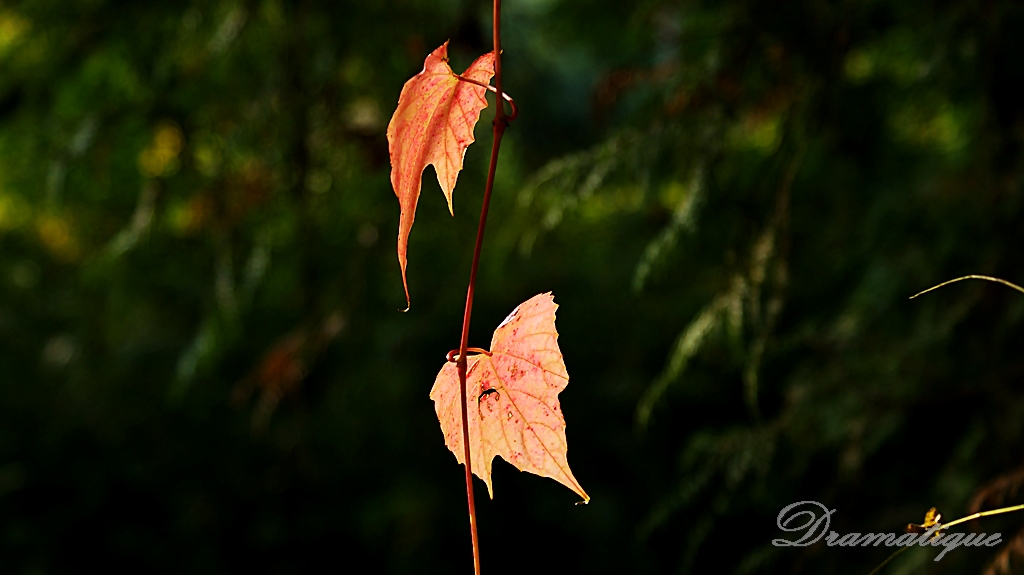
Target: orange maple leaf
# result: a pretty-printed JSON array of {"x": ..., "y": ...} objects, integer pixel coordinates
[
  {"x": 433, "y": 124},
  {"x": 512, "y": 398}
]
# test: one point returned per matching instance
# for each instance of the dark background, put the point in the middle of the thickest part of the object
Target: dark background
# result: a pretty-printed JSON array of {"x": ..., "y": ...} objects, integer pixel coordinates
[{"x": 202, "y": 365}]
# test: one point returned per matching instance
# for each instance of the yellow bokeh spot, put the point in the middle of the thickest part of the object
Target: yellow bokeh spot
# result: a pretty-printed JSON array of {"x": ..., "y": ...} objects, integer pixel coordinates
[
  {"x": 189, "y": 217},
  {"x": 12, "y": 27},
  {"x": 14, "y": 212},
  {"x": 55, "y": 234},
  {"x": 208, "y": 159},
  {"x": 859, "y": 66},
  {"x": 169, "y": 138},
  {"x": 673, "y": 194},
  {"x": 937, "y": 126},
  {"x": 756, "y": 132},
  {"x": 161, "y": 157}
]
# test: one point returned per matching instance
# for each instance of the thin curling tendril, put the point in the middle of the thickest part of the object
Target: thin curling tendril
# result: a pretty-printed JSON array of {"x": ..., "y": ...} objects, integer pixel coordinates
[
  {"x": 506, "y": 97},
  {"x": 453, "y": 355}
]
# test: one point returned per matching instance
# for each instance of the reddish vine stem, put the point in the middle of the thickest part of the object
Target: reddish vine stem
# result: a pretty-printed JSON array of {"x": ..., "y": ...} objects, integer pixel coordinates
[{"x": 500, "y": 123}]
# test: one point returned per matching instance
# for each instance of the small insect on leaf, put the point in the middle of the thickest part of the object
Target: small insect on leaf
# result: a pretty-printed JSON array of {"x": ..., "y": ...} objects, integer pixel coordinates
[
  {"x": 930, "y": 519},
  {"x": 486, "y": 391}
]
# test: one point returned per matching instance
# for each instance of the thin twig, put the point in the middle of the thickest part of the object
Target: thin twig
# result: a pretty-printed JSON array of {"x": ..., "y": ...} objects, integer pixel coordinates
[
  {"x": 971, "y": 517},
  {"x": 886, "y": 562},
  {"x": 983, "y": 514},
  {"x": 972, "y": 277}
]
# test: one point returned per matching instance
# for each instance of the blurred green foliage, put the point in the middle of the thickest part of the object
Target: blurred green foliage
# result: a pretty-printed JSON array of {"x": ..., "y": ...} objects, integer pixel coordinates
[{"x": 202, "y": 366}]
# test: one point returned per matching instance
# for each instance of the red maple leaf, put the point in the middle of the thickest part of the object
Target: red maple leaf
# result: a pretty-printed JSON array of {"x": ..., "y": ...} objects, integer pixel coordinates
[
  {"x": 433, "y": 125},
  {"x": 512, "y": 398}
]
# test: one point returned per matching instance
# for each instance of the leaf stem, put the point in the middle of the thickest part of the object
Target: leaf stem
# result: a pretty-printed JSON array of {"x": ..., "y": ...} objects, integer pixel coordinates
[{"x": 500, "y": 123}]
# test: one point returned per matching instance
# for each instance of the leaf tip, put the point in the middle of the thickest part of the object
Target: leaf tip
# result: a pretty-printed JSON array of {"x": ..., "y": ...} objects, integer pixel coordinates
[{"x": 405, "y": 284}]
